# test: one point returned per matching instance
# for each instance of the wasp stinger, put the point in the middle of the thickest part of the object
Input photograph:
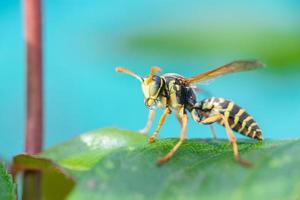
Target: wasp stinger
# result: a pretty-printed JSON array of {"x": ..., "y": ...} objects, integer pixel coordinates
[{"x": 174, "y": 93}]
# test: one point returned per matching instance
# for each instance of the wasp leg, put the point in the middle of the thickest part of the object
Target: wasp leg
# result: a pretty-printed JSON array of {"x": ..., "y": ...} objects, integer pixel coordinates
[
  {"x": 181, "y": 140},
  {"x": 213, "y": 132},
  {"x": 149, "y": 123},
  {"x": 230, "y": 135},
  {"x": 160, "y": 123},
  {"x": 197, "y": 117},
  {"x": 232, "y": 140},
  {"x": 179, "y": 119},
  {"x": 211, "y": 119}
]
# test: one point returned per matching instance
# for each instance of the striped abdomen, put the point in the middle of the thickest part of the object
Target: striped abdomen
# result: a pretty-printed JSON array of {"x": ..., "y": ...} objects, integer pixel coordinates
[{"x": 239, "y": 120}]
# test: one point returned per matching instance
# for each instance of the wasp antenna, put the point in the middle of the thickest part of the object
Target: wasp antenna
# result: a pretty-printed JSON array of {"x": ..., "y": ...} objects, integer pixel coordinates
[
  {"x": 127, "y": 71},
  {"x": 153, "y": 70},
  {"x": 120, "y": 69}
]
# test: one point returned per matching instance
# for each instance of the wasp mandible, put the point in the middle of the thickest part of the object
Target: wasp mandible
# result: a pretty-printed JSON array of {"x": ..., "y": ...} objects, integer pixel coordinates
[{"x": 175, "y": 93}]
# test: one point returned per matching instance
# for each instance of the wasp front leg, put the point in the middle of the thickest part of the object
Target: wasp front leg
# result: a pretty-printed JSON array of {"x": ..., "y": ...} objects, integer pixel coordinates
[
  {"x": 179, "y": 119},
  {"x": 149, "y": 123},
  {"x": 167, "y": 111},
  {"x": 164, "y": 159},
  {"x": 220, "y": 117}
]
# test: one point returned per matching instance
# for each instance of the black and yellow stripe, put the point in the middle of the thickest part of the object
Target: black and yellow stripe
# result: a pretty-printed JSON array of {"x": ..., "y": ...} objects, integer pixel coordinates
[{"x": 239, "y": 120}]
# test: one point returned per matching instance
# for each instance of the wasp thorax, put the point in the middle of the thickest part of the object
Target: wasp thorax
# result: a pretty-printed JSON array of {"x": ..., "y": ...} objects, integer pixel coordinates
[{"x": 151, "y": 87}]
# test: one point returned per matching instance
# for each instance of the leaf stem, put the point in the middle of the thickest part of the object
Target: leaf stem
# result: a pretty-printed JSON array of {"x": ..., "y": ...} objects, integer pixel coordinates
[
  {"x": 33, "y": 37},
  {"x": 34, "y": 120}
]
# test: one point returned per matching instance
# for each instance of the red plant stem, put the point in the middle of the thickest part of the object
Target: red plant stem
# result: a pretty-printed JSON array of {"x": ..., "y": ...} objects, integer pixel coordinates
[{"x": 33, "y": 38}]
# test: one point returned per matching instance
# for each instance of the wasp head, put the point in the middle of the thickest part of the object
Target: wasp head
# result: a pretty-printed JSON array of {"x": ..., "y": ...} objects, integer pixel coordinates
[
  {"x": 151, "y": 85},
  {"x": 151, "y": 89}
]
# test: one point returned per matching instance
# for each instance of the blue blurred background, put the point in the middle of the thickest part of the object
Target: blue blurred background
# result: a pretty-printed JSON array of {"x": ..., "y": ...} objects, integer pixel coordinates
[{"x": 85, "y": 40}]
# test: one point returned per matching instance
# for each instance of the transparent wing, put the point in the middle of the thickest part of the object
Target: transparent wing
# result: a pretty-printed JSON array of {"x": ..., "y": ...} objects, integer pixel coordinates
[
  {"x": 201, "y": 90},
  {"x": 236, "y": 66}
]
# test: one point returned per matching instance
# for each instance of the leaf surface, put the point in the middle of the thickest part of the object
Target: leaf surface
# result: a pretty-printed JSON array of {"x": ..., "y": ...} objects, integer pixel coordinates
[
  {"x": 116, "y": 164},
  {"x": 83, "y": 152},
  {"x": 201, "y": 169},
  {"x": 7, "y": 187}
]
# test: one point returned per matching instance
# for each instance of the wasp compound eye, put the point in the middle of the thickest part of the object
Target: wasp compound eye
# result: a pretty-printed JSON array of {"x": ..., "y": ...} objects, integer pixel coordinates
[{"x": 155, "y": 86}]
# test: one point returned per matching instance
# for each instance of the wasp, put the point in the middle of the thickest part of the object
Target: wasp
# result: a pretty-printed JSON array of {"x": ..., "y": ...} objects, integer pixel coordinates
[{"x": 175, "y": 93}]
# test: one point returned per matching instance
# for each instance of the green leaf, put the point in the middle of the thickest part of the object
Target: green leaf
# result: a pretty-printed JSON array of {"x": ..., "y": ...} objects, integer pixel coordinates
[
  {"x": 202, "y": 169},
  {"x": 83, "y": 152},
  {"x": 7, "y": 187},
  {"x": 56, "y": 184}
]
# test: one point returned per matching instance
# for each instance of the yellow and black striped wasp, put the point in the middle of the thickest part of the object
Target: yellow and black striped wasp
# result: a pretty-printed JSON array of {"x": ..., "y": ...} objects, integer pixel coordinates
[{"x": 174, "y": 93}]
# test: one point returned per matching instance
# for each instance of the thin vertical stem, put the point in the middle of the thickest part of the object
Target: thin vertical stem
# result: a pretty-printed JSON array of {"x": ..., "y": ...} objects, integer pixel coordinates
[
  {"x": 34, "y": 121},
  {"x": 33, "y": 36}
]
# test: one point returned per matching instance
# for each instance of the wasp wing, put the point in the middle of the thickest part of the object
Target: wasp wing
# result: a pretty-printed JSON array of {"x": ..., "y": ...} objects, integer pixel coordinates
[{"x": 236, "y": 66}]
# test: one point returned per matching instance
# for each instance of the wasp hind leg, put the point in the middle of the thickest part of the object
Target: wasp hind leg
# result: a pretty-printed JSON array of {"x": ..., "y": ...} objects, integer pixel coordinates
[
  {"x": 164, "y": 159},
  {"x": 231, "y": 137},
  {"x": 160, "y": 123},
  {"x": 213, "y": 132},
  {"x": 197, "y": 117},
  {"x": 145, "y": 130}
]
